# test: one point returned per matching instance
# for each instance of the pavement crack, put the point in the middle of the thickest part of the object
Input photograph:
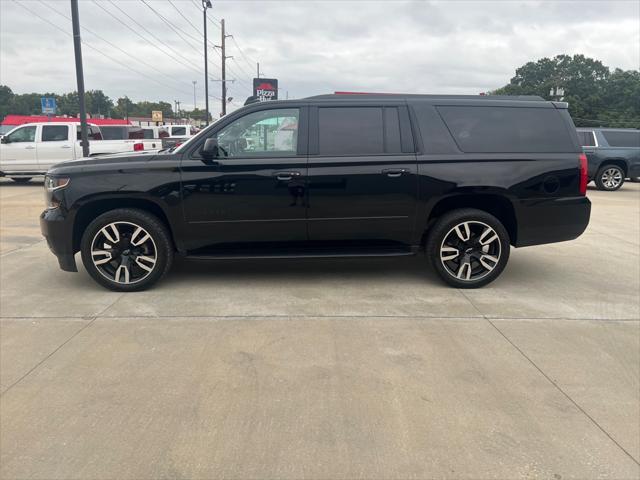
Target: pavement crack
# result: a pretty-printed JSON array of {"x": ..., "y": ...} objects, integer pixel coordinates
[
  {"x": 593, "y": 420},
  {"x": 78, "y": 332}
]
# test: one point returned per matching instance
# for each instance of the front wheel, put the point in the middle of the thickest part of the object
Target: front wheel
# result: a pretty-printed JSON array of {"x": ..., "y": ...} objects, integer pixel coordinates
[
  {"x": 468, "y": 248},
  {"x": 609, "y": 178},
  {"x": 126, "y": 249}
]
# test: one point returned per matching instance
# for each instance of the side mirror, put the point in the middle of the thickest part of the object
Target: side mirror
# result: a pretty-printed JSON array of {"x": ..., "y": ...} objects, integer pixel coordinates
[{"x": 210, "y": 148}]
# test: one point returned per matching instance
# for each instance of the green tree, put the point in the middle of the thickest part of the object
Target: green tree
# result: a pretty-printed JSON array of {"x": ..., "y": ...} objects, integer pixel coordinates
[
  {"x": 6, "y": 101},
  {"x": 596, "y": 96}
]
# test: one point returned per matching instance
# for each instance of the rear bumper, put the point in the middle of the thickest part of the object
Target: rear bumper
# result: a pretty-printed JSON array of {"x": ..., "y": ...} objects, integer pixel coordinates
[
  {"x": 551, "y": 220},
  {"x": 57, "y": 229}
]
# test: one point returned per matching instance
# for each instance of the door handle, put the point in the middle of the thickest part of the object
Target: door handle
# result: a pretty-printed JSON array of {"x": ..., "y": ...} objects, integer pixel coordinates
[
  {"x": 30, "y": 148},
  {"x": 65, "y": 146},
  {"x": 284, "y": 176},
  {"x": 394, "y": 172}
]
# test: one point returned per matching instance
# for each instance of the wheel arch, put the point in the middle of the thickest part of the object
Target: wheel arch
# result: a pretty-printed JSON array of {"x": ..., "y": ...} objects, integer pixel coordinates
[
  {"x": 91, "y": 209},
  {"x": 497, "y": 205},
  {"x": 620, "y": 162}
]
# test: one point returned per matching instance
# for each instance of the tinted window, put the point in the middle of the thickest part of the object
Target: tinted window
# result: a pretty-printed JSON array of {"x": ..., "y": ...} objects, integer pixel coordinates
[
  {"x": 55, "y": 133},
  {"x": 178, "y": 130},
  {"x": 622, "y": 139},
  {"x": 507, "y": 129},
  {"x": 93, "y": 133},
  {"x": 350, "y": 131},
  {"x": 24, "y": 134},
  {"x": 586, "y": 139},
  {"x": 148, "y": 133},
  {"x": 113, "y": 133},
  {"x": 392, "y": 130},
  {"x": 135, "y": 133},
  {"x": 263, "y": 133}
]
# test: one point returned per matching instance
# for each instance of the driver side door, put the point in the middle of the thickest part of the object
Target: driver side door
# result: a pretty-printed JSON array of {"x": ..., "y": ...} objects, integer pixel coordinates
[
  {"x": 255, "y": 190},
  {"x": 19, "y": 153}
]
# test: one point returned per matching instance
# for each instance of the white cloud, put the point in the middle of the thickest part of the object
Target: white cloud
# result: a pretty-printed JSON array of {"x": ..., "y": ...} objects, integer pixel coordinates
[{"x": 313, "y": 46}]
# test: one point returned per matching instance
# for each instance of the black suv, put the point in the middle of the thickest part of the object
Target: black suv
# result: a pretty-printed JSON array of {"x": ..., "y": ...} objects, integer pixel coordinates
[
  {"x": 460, "y": 177},
  {"x": 613, "y": 154}
]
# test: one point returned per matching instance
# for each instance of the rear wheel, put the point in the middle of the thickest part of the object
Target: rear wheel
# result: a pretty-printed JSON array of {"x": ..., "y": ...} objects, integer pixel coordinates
[
  {"x": 609, "y": 178},
  {"x": 21, "y": 179},
  {"x": 468, "y": 248},
  {"x": 126, "y": 250}
]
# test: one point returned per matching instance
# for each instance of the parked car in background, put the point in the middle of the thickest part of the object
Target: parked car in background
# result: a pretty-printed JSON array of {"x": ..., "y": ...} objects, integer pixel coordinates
[
  {"x": 613, "y": 154},
  {"x": 31, "y": 149},
  {"x": 132, "y": 135},
  {"x": 180, "y": 131},
  {"x": 462, "y": 178},
  {"x": 154, "y": 132}
]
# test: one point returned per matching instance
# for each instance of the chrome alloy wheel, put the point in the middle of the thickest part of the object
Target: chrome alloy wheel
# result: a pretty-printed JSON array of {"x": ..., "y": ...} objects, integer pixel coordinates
[
  {"x": 470, "y": 250},
  {"x": 612, "y": 178},
  {"x": 124, "y": 252}
]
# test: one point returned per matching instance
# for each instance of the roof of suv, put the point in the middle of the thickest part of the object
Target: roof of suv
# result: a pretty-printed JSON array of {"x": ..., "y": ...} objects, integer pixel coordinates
[{"x": 413, "y": 96}]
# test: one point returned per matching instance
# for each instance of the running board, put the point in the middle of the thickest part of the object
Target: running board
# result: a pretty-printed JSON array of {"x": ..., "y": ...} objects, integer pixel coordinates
[{"x": 301, "y": 254}]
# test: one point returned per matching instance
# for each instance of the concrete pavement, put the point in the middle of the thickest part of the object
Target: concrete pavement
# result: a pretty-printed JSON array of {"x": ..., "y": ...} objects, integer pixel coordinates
[{"x": 324, "y": 369}]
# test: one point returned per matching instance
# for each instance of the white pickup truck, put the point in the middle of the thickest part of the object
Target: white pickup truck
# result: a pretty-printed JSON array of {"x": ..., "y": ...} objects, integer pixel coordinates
[{"x": 30, "y": 149}]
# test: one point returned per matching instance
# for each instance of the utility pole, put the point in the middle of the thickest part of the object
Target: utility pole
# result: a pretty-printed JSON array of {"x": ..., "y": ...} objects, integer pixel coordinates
[
  {"x": 206, "y": 4},
  {"x": 77, "y": 48},
  {"x": 178, "y": 109},
  {"x": 224, "y": 68},
  {"x": 258, "y": 69},
  {"x": 194, "y": 93}
]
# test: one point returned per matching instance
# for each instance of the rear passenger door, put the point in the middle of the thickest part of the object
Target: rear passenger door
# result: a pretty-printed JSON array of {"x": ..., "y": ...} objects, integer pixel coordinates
[
  {"x": 54, "y": 146},
  {"x": 362, "y": 173}
]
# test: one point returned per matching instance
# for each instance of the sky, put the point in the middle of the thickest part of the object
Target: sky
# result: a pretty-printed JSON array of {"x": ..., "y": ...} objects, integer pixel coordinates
[{"x": 311, "y": 47}]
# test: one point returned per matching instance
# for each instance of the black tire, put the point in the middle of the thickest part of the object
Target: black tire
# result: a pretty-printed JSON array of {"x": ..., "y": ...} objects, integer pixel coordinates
[
  {"x": 21, "y": 179},
  {"x": 128, "y": 255},
  {"x": 609, "y": 178},
  {"x": 454, "y": 270}
]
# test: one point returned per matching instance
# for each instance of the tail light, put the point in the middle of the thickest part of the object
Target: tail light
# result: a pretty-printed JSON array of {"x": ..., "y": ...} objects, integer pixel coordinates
[
  {"x": 137, "y": 147},
  {"x": 584, "y": 178}
]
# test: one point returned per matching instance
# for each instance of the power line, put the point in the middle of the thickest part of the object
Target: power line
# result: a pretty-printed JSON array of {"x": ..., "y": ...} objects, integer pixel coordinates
[
  {"x": 109, "y": 43},
  {"x": 172, "y": 27},
  {"x": 182, "y": 15},
  {"x": 96, "y": 49}
]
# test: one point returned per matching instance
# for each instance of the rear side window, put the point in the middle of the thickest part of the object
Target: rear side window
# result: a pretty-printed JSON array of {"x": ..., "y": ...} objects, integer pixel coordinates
[
  {"x": 113, "y": 133},
  {"x": 148, "y": 133},
  {"x": 93, "y": 133},
  {"x": 55, "y": 133},
  {"x": 622, "y": 139},
  {"x": 135, "y": 133},
  {"x": 352, "y": 130},
  {"x": 587, "y": 139},
  {"x": 178, "y": 130},
  {"x": 507, "y": 129}
]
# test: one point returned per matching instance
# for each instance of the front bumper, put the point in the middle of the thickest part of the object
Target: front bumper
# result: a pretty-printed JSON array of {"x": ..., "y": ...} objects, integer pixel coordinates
[
  {"x": 57, "y": 229},
  {"x": 551, "y": 220}
]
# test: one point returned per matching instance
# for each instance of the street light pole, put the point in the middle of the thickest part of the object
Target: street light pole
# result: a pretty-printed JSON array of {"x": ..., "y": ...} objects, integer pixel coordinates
[
  {"x": 77, "y": 48},
  {"x": 194, "y": 93},
  {"x": 206, "y": 4}
]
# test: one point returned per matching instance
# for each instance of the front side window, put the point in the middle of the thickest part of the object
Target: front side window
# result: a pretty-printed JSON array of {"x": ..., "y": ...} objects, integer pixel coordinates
[
  {"x": 179, "y": 130},
  {"x": 622, "y": 139},
  {"x": 263, "y": 133},
  {"x": 586, "y": 139},
  {"x": 55, "y": 133},
  {"x": 24, "y": 134}
]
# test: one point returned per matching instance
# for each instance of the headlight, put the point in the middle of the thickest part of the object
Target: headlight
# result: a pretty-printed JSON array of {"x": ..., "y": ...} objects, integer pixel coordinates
[
  {"x": 53, "y": 183},
  {"x": 52, "y": 187}
]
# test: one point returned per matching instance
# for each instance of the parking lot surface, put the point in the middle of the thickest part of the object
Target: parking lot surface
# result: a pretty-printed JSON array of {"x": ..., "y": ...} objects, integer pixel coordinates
[{"x": 324, "y": 368}]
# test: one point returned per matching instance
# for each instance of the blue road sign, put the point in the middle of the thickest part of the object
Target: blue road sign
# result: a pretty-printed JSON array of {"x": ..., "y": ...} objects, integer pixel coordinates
[{"x": 48, "y": 105}]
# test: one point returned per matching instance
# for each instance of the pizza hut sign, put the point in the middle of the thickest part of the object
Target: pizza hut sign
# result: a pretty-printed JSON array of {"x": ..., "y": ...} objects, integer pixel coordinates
[{"x": 265, "y": 89}]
